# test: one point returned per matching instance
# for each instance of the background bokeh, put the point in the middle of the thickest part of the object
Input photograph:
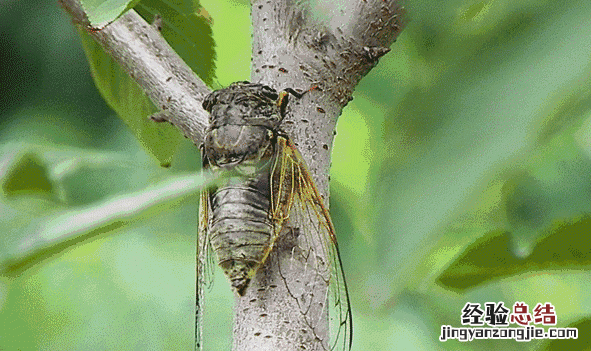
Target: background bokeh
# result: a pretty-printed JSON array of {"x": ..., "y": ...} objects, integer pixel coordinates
[{"x": 461, "y": 172}]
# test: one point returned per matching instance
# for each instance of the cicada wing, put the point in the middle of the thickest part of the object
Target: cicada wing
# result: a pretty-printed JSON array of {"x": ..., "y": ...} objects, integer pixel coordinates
[
  {"x": 295, "y": 200},
  {"x": 204, "y": 267},
  {"x": 206, "y": 259}
]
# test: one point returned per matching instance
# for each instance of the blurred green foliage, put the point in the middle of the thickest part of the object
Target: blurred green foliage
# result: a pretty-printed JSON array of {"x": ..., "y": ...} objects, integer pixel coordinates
[{"x": 461, "y": 172}]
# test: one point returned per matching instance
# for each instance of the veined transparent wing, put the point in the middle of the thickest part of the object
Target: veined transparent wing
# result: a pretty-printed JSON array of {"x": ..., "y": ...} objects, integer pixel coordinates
[
  {"x": 204, "y": 266},
  {"x": 296, "y": 202}
]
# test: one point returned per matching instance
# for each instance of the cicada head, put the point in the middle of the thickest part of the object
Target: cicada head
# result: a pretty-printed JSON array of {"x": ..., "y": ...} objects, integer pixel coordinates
[
  {"x": 244, "y": 119},
  {"x": 244, "y": 103}
]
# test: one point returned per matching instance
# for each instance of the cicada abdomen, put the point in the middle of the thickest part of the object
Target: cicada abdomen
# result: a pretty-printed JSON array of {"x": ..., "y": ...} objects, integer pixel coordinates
[{"x": 240, "y": 146}]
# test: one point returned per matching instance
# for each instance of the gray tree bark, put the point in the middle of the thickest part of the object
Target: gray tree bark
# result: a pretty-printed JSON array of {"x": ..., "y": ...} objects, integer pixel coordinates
[{"x": 293, "y": 47}]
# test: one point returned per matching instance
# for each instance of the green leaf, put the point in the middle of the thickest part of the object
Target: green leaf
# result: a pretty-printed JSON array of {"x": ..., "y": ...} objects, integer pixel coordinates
[
  {"x": 493, "y": 256},
  {"x": 102, "y": 12},
  {"x": 186, "y": 27},
  {"x": 93, "y": 176},
  {"x": 48, "y": 236},
  {"x": 26, "y": 175}
]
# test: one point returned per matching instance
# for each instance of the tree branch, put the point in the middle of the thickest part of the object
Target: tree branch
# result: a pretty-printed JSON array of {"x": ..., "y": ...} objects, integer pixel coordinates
[{"x": 144, "y": 54}]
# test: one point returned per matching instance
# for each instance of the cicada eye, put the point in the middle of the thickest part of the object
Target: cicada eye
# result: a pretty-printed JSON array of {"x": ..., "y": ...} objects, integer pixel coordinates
[
  {"x": 269, "y": 92},
  {"x": 209, "y": 101}
]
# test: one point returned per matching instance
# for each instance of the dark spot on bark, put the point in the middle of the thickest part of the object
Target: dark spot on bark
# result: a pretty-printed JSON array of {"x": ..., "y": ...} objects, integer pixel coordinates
[
  {"x": 325, "y": 147},
  {"x": 375, "y": 52},
  {"x": 168, "y": 79},
  {"x": 257, "y": 334}
]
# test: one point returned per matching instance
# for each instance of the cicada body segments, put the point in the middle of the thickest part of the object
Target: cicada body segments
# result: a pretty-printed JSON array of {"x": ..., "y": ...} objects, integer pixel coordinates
[{"x": 205, "y": 265}]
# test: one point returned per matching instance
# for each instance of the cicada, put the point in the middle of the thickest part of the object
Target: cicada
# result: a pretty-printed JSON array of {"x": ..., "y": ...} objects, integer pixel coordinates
[{"x": 262, "y": 185}]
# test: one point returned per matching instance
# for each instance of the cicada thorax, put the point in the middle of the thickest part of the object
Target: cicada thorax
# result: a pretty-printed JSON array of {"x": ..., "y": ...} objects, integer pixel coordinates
[{"x": 240, "y": 147}]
